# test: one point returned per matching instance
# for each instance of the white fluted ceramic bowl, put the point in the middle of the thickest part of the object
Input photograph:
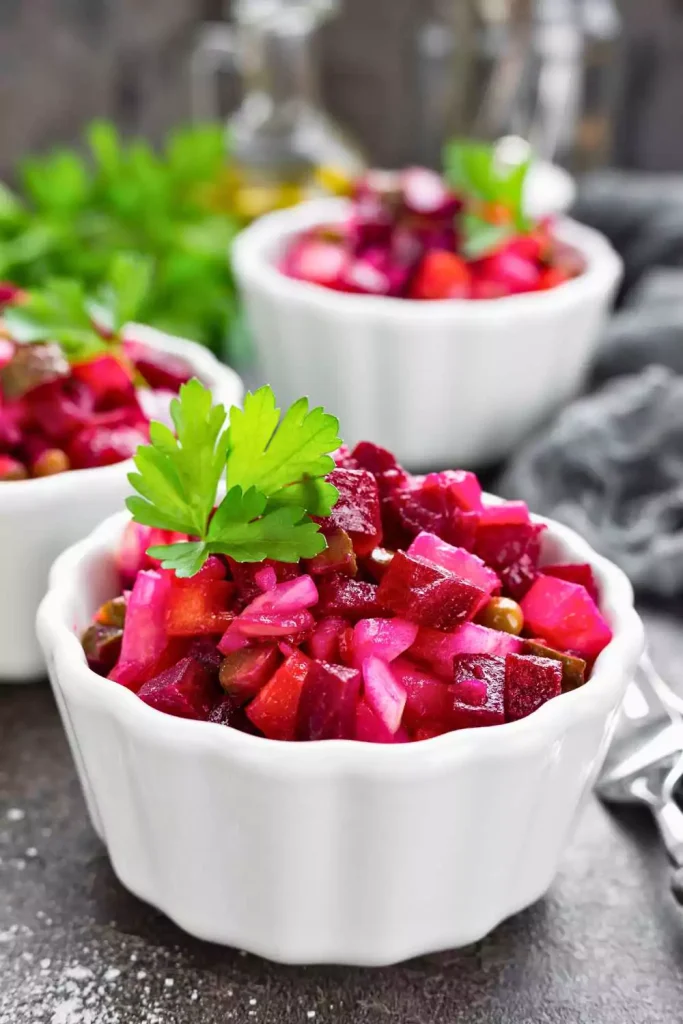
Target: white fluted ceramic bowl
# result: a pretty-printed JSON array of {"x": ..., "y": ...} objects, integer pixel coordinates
[
  {"x": 41, "y": 517},
  {"x": 455, "y": 382},
  {"x": 333, "y": 851}
]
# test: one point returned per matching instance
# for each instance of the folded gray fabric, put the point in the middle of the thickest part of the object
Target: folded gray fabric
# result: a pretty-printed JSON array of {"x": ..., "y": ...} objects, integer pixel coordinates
[
  {"x": 611, "y": 466},
  {"x": 641, "y": 214}
]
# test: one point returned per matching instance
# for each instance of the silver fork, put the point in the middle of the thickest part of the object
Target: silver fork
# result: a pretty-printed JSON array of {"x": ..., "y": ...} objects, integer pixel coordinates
[{"x": 645, "y": 762}]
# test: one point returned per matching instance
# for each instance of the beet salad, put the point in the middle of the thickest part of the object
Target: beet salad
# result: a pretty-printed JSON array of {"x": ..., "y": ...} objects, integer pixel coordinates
[
  {"x": 74, "y": 392},
  {"x": 329, "y": 594}
]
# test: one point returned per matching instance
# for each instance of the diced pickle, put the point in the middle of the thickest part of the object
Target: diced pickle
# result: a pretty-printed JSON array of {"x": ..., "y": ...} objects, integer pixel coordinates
[
  {"x": 573, "y": 668},
  {"x": 102, "y": 646}
]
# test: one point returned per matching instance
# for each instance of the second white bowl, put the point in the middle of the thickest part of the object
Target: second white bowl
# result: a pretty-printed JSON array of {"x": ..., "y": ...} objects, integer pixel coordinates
[
  {"x": 455, "y": 382},
  {"x": 41, "y": 517}
]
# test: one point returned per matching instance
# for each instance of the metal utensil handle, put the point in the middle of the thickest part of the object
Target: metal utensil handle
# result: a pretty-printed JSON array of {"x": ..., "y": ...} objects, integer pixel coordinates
[{"x": 214, "y": 51}]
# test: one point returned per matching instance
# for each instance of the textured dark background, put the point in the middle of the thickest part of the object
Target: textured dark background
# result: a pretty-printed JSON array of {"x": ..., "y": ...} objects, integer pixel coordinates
[
  {"x": 64, "y": 61},
  {"x": 604, "y": 947}
]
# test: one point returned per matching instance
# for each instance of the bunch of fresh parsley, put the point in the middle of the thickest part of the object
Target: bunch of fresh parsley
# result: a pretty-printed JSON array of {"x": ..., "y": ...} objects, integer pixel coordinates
[
  {"x": 62, "y": 312},
  {"x": 274, "y": 480},
  {"x": 474, "y": 169},
  {"x": 71, "y": 214}
]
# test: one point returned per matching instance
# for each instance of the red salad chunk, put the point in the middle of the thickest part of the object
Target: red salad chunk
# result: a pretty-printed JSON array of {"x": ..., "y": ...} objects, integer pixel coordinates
[
  {"x": 429, "y": 611},
  {"x": 412, "y": 235},
  {"x": 85, "y": 412}
]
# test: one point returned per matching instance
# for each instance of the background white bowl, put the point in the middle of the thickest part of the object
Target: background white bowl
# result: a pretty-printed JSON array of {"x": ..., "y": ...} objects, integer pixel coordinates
[
  {"x": 455, "y": 382},
  {"x": 334, "y": 851},
  {"x": 41, "y": 517}
]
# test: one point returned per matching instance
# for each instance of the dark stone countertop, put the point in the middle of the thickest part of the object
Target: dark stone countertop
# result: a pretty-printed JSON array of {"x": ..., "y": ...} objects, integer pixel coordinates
[{"x": 604, "y": 947}]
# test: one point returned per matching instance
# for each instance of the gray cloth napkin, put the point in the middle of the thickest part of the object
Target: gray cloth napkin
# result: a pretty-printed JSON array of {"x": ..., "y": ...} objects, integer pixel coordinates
[{"x": 611, "y": 466}]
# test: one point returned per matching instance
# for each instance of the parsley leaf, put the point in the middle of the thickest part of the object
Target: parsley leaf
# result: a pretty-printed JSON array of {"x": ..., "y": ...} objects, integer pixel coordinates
[
  {"x": 481, "y": 238},
  {"x": 57, "y": 313},
  {"x": 62, "y": 312},
  {"x": 273, "y": 458},
  {"x": 178, "y": 475},
  {"x": 475, "y": 168},
  {"x": 273, "y": 478}
]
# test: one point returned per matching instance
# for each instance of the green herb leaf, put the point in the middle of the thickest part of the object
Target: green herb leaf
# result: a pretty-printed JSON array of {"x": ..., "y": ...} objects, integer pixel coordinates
[
  {"x": 57, "y": 313},
  {"x": 267, "y": 516},
  {"x": 474, "y": 169},
  {"x": 271, "y": 457},
  {"x": 185, "y": 557},
  {"x": 178, "y": 476},
  {"x": 120, "y": 300},
  {"x": 480, "y": 238}
]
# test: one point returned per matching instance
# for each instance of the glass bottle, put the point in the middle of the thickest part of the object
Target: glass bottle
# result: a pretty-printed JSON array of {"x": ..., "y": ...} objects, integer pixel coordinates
[{"x": 283, "y": 146}]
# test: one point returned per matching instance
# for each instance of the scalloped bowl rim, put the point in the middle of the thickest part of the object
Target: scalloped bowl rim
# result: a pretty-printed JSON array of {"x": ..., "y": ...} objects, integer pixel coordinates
[
  {"x": 218, "y": 376},
  {"x": 252, "y": 258},
  {"x": 549, "y": 721}
]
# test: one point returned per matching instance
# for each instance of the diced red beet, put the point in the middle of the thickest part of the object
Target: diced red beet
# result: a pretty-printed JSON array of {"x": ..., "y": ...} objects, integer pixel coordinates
[
  {"x": 226, "y": 712},
  {"x": 465, "y": 713},
  {"x": 373, "y": 458},
  {"x": 426, "y": 594},
  {"x": 274, "y": 709},
  {"x": 354, "y": 599},
  {"x": 513, "y": 551},
  {"x": 573, "y": 667},
  {"x": 426, "y": 696},
  {"x": 338, "y": 556},
  {"x": 462, "y": 563},
  {"x": 383, "y": 692},
  {"x": 429, "y": 732},
  {"x": 160, "y": 369},
  {"x": 324, "y": 644},
  {"x": 244, "y": 575},
  {"x": 104, "y": 446},
  {"x": 343, "y": 458},
  {"x": 371, "y": 729},
  {"x": 529, "y": 683},
  {"x": 357, "y": 510},
  {"x": 186, "y": 690},
  {"x": 214, "y": 568},
  {"x": 60, "y": 408},
  {"x": 199, "y": 606},
  {"x": 12, "y": 469},
  {"x": 566, "y": 616},
  {"x": 424, "y": 192},
  {"x": 327, "y": 708},
  {"x": 107, "y": 379},
  {"x": 205, "y": 651},
  {"x": 461, "y": 485},
  {"x": 508, "y": 513},
  {"x": 245, "y": 672},
  {"x": 144, "y": 635},
  {"x": 437, "y": 649},
  {"x": 316, "y": 261},
  {"x": 386, "y": 638},
  {"x": 266, "y": 578},
  {"x": 575, "y": 573},
  {"x": 472, "y": 691}
]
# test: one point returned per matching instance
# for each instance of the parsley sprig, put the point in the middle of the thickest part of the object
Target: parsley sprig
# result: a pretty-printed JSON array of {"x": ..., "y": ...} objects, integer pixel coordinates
[
  {"x": 83, "y": 326},
  {"x": 274, "y": 480},
  {"x": 475, "y": 169}
]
